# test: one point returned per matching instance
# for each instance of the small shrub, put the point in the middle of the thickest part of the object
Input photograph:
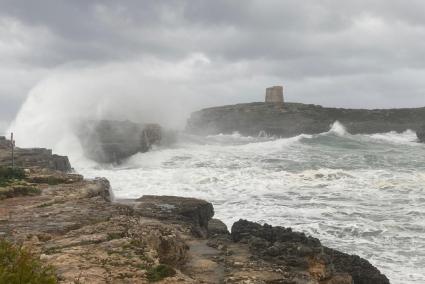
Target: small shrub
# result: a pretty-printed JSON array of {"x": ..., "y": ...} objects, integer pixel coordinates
[
  {"x": 18, "y": 265},
  {"x": 18, "y": 190},
  {"x": 160, "y": 272},
  {"x": 8, "y": 174}
]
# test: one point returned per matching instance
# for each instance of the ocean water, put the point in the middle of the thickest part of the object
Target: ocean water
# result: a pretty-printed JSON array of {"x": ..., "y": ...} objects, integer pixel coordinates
[{"x": 362, "y": 194}]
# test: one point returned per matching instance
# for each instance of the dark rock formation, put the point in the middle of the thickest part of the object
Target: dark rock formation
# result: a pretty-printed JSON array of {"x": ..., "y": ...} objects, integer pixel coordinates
[
  {"x": 421, "y": 134},
  {"x": 297, "y": 250},
  {"x": 360, "y": 269},
  {"x": 194, "y": 211},
  {"x": 291, "y": 119},
  {"x": 108, "y": 141},
  {"x": 32, "y": 157}
]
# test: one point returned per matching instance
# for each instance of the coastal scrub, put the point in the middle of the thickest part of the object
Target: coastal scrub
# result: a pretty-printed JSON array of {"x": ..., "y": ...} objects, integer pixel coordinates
[{"x": 20, "y": 265}]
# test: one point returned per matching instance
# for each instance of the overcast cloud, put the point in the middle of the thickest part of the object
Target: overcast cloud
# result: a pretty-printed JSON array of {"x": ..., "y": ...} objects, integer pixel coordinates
[{"x": 360, "y": 53}]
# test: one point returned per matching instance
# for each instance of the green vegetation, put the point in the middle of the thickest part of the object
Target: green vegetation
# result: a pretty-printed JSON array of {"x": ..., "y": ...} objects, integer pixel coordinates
[
  {"x": 12, "y": 183},
  {"x": 8, "y": 174},
  {"x": 16, "y": 190},
  {"x": 160, "y": 272},
  {"x": 18, "y": 266}
]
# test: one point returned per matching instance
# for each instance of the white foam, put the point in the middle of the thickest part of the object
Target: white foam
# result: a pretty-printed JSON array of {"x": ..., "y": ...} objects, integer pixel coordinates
[
  {"x": 407, "y": 137},
  {"x": 338, "y": 128}
]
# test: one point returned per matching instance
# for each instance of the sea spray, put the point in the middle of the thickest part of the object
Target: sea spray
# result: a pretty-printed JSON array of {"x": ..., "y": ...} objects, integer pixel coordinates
[
  {"x": 145, "y": 90},
  {"x": 338, "y": 129}
]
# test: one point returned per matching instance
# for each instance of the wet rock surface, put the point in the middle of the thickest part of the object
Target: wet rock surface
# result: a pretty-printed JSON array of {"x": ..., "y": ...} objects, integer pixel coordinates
[
  {"x": 291, "y": 119},
  {"x": 298, "y": 251},
  {"x": 109, "y": 141}
]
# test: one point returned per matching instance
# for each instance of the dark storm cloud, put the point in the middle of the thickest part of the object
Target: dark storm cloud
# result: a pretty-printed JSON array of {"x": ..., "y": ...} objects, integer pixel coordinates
[{"x": 325, "y": 51}]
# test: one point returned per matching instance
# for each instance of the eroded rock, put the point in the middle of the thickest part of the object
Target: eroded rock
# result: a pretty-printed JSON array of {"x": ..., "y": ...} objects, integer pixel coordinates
[
  {"x": 298, "y": 251},
  {"x": 40, "y": 158},
  {"x": 191, "y": 210},
  {"x": 109, "y": 141}
]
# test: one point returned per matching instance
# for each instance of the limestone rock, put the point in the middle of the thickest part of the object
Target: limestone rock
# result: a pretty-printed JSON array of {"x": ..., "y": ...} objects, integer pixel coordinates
[
  {"x": 194, "y": 211},
  {"x": 108, "y": 141},
  {"x": 32, "y": 157}
]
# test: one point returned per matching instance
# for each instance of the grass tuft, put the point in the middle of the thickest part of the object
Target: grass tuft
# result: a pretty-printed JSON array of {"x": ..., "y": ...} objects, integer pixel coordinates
[
  {"x": 8, "y": 174},
  {"x": 18, "y": 265},
  {"x": 160, "y": 272}
]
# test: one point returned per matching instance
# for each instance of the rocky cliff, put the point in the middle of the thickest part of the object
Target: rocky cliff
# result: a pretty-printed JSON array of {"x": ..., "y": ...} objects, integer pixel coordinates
[
  {"x": 291, "y": 119},
  {"x": 32, "y": 157},
  {"x": 108, "y": 141}
]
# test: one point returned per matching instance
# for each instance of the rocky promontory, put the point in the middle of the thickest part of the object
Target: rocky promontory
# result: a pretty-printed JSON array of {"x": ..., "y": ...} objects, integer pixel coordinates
[
  {"x": 75, "y": 226},
  {"x": 110, "y": 141},
  {"x": 291, "y": 119}
]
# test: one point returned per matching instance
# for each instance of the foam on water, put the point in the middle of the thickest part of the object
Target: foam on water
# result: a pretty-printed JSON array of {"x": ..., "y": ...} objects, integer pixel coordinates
[
  {"x": 408, "y": 137},
  {"x": 362, "y": 194}
]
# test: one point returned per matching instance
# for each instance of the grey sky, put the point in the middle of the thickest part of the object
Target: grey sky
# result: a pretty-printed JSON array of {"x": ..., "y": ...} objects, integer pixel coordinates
[{"x": 362, "y": 53}]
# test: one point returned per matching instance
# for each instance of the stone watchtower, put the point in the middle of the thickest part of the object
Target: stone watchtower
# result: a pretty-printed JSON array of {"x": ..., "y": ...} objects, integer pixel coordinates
[{"x": 274, "y": 94}]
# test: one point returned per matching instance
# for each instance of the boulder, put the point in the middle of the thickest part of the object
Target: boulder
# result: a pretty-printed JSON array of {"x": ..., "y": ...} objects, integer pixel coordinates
[
  {"x": 192, "y": 211},
  {"x": 108, "y": 141},
  {"x": 217, "y": 227}
]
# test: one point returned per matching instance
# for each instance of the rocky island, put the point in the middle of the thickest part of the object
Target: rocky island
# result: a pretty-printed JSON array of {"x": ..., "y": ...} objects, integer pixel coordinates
[
  {"x": 75, "y": 226},
  {"x": 275, "y": 117}
]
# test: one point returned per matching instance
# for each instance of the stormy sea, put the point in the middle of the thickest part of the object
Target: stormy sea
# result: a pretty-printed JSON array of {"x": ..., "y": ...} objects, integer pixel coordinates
[{"x": 362, "y": 194}]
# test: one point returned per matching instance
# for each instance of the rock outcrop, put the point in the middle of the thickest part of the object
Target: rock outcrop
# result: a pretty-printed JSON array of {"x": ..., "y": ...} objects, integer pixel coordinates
[
  {"x": 32, "y": 157},
  {"x": 296, "y": 250},
  {"x": 108, "y": 141},
  {"x": 192, "y": 211},
  {"x": 421, "y": 134},
  {"x": 291, "y": 119}
]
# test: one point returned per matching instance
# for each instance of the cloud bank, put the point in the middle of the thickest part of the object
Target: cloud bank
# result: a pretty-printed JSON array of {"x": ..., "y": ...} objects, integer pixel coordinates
[{"x": 157, "y": 59}]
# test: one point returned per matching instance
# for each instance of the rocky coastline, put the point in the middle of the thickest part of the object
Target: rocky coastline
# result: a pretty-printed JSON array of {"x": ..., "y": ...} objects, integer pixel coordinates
[
  {"x": 75, "y": 225},
  {"x": 292, "y": 119}
]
